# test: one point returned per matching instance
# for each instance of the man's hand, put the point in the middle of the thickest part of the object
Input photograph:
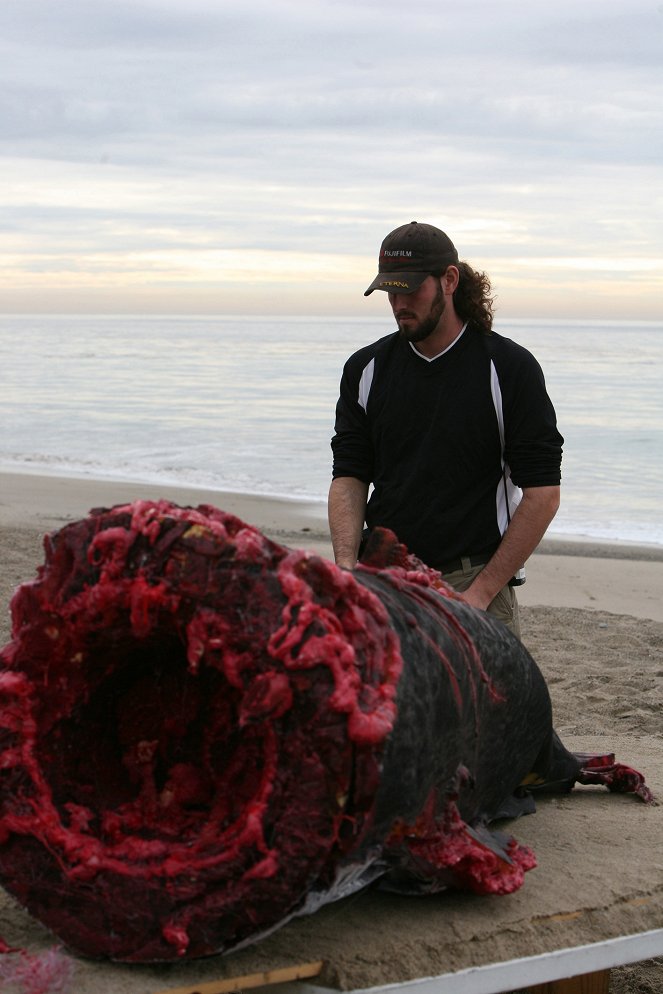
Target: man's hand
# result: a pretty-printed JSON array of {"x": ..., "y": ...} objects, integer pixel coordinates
[
  {"x": 347, "y": 510},
  {"x": 528, "y": 526}
]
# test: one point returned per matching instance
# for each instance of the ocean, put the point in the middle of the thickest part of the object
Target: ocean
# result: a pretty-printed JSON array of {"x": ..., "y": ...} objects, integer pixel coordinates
[{"x": 247, "y": 404}]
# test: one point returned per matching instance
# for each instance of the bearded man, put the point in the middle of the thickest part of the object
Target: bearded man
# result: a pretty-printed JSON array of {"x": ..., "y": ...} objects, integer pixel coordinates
[{"x": 450, "y": 424}]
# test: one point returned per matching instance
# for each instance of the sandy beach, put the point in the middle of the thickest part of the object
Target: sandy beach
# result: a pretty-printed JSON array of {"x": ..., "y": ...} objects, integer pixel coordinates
[{"x": 592, "y": 617}]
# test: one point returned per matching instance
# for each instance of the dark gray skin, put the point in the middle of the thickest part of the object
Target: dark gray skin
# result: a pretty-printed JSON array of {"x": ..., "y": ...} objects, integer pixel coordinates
[{"x": 474, "y": 719}]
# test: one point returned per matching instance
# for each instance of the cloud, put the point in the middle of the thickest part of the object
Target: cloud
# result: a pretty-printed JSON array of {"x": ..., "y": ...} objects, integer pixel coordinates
[{"x": 309, "y": 129}]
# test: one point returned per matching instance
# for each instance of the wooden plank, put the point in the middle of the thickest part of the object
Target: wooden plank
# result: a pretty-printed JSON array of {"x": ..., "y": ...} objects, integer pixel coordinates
[
  {"x": 589, "y": 983},
  {"x": 236, "y": 985}
]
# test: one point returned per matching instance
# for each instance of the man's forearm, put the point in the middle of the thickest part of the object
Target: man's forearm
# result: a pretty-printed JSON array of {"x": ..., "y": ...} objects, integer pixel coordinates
[
  {"x": 528, "y": 526},
  {"x": 346, "y": 510}
]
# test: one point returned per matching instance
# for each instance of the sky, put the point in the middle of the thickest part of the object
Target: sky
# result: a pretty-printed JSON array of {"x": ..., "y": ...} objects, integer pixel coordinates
[{"x": 206, "y": 156}]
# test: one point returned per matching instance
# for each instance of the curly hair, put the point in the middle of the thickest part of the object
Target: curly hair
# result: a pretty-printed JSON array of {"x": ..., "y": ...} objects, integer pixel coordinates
[{"x": 472, "y": 298}]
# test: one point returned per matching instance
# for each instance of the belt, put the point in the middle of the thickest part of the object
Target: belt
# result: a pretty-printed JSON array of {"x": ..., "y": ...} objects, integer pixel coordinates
[{"x": 462, "y": 563}]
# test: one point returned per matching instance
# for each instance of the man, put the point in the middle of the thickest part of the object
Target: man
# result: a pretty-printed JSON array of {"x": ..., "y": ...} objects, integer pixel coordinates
[{"x": 452, "y": 425}]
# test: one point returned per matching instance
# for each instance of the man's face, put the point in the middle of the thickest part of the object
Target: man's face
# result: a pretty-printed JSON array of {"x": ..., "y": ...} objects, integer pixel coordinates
[{"x": 418, "y": 314}]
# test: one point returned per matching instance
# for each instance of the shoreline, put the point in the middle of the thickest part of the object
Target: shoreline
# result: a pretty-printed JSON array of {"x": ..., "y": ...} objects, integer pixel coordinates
[
  {"x": 49, "y": 489},
  {"x": 618, "y": 577}
]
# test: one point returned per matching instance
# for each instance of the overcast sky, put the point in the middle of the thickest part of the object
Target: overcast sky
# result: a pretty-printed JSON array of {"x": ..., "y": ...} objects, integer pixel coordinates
[{"x": 205, "y": 156}]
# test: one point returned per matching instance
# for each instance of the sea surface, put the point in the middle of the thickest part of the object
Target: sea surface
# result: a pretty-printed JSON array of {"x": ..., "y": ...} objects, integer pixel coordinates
[{"x": 247, "y": 404}]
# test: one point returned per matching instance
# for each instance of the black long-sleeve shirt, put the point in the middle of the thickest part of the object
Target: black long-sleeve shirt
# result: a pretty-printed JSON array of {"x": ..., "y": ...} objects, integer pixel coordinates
[{"x": 447, "y": 443}]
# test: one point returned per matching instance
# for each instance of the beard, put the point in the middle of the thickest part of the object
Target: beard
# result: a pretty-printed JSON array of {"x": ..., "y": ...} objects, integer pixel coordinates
[{"x": 427, "y": 325}]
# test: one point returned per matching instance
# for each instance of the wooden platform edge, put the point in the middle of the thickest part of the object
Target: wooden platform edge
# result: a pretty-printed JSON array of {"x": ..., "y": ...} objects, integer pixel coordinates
[
  {"x": 588, "y": 983},
  {"x": 568, "y": 964},
  {"x": 236, "y": 985}
]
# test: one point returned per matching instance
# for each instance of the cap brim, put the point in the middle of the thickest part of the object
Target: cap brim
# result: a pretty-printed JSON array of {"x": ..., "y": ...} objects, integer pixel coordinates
[{"x": 397, "y": 282}]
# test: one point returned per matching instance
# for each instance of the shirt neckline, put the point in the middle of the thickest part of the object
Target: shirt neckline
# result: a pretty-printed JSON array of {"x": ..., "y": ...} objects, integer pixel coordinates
[{"x": 420, "y": 355}]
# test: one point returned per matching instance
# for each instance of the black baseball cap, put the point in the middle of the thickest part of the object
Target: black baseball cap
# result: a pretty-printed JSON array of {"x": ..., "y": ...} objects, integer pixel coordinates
[{"x": 409, "y": 254}]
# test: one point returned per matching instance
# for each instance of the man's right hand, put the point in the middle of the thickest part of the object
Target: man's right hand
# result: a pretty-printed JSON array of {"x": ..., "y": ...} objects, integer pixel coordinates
[{"x": 347, "y": 511}]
